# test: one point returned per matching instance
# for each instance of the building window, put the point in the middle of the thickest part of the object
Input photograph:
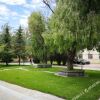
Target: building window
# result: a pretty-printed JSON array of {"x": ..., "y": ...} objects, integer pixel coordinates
[
  {"x": 90, "y": 56},
  {"x": 80, "y": 56}
]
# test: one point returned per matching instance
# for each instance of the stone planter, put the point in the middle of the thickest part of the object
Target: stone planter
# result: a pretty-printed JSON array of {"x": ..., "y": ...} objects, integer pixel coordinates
[
  {"x": 76, "y": 73},
  {"x": 43, "y": 66}
]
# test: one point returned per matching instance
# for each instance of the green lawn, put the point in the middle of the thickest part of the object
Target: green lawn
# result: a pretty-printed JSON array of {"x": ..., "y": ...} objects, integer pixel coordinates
[{"x": 65, "y": 87}]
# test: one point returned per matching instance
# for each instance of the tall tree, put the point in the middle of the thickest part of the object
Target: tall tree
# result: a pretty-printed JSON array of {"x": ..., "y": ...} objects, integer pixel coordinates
[
  {"x": 19, "y": 44},
  {"x": 98, "y": 44},
  {"x": 6, "y": 53},
  {"x": 74, "y": 26},
  {"x": 1, "y": 43},
  {"x": 36, "y": 28}
]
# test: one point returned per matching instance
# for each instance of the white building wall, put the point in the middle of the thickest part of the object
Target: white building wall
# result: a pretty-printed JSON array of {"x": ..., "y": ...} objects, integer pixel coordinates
[{"x": 95, "y": 54}]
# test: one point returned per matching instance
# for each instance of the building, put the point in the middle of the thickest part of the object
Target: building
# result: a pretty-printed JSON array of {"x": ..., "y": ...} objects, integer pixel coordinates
[{"x": 91, "y": 55}]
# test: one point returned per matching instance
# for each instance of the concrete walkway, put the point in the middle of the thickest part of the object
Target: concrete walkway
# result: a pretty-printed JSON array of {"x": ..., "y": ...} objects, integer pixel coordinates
[
  {"x": 90, "y": 67},
  {"x": 87, "y": 67},
  {"x": 14, "y": 92}
]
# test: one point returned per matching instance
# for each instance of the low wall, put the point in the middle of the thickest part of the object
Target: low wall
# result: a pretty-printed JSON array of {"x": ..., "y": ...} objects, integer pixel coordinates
[
  {"x": 42, "y": 65},
  {"x": 76, "y": 73}
]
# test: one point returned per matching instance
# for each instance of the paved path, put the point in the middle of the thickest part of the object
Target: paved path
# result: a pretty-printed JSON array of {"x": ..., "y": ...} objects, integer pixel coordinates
[
  {"x": 14, "y": 92},
  {"x": 88, "y": 67},
  {"x": 91, "y": 67}
]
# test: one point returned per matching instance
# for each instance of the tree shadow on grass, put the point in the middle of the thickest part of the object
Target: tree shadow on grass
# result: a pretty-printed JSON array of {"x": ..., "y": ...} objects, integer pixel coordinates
[{"x": 9, "y": 66}]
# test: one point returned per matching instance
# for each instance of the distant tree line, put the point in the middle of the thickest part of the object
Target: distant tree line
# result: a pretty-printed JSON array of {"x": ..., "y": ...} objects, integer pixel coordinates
[
  {"x": 11, "y": 46},
  {"x": 23, "y": 46}
]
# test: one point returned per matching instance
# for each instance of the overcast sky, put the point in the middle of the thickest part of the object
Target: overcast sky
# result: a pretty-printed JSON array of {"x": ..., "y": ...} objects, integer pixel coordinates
[{"x": 16, "y": 12}]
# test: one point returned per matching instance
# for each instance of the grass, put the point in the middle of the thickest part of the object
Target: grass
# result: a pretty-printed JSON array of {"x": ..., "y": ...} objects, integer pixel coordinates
[{"x": 65, "y": 87}]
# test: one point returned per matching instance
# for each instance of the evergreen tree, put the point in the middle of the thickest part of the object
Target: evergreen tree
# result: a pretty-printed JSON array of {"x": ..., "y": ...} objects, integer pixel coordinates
[
  {"x": 19, "y": 45},
  {"x": 1, "y": 43},
  {"x": 6, "y": 53}
]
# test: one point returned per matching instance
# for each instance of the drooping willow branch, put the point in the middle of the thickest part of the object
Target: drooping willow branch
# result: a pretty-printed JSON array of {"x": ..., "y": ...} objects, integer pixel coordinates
[{"x": 45, "y": 1}]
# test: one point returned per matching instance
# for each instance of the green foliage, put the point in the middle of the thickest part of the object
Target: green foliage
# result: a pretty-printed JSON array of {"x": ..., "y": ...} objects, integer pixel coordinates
[
  {"x": 98, "y": 35},
  {"x": 28, "y": 36},
  {"x": 6, "y": 51},
  {"x": 19, "y": 44},
  {"x": 36, "y": 23},
  {"x": 71, "y": 24},
  {"x": 98, "y": 45},
  {"x": 74, "y": 26},
  {"x": 1, "y": 43},
  {"x": 37, "y": 27},
  {"x": 1, "y": 47}
]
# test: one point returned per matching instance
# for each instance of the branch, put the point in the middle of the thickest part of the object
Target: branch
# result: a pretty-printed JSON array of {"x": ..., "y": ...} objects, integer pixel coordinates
[{"x": 44, "y": 1}]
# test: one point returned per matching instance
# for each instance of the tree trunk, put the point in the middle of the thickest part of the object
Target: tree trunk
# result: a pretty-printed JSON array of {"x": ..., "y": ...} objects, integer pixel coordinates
[
  {"x": 6, "y": 63},
  {"x": 45, "y": 59},
  {"x": 19, "y": 60},
  {"x": 71, "y": 57},
  {"x": 51, "y": 61},
  {"x": 70, "y": 65}
]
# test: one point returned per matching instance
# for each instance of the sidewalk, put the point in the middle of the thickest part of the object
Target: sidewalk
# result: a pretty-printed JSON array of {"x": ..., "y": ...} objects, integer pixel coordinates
[
  {"x": 86, "y": 67},
  {"x": 14, "y": 92}
]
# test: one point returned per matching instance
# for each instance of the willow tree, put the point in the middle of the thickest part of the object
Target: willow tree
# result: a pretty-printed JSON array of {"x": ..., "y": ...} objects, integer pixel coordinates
[
  {"x": 98, "y": 44},
  {"x": 36, "y": 28},
  {"x": 74, "y": 26}
]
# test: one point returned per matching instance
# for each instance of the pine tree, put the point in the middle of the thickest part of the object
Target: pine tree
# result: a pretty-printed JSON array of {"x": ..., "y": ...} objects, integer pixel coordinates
[
  {"x": 19, "y": 45},
  {"x": 6, "y": 54}
]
